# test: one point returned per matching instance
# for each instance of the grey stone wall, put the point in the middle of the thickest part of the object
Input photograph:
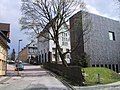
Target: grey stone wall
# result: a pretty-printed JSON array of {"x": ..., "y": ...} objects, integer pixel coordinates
[
  {"x": 99, "y": 47},
  {"x": 76, "y": 38}
]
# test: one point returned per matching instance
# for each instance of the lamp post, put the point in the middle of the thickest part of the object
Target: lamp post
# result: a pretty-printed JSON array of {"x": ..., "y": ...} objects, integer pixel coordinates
[{"x": 18, "y": 56}]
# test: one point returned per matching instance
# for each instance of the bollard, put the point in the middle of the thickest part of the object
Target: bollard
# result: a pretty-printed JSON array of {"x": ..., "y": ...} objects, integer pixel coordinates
[{"x": 98, "y": 78}]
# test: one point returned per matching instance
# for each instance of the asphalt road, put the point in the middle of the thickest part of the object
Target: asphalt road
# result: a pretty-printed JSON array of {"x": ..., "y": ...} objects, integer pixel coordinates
[
  {"x": 36, "y": 78},
  {"x": 31, "y": 78}
]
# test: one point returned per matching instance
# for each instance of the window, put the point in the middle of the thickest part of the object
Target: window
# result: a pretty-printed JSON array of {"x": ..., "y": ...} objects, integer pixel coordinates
[
  {"x": 97, "y": 65},
  {"x": 62, "y": 38},
  {"x": 45, "y": 57},
  {"x": 101, "y": 65},
  {"x": 62, "y": 34},
  {"x": 106, "y": 65},
  {"x": 66, "y": 39},
  {"x": 65, "y": 43},
  {"x": 53, "y": 49},
  {"x": 113, "y": 67},
  {"x": 62, "y": 43},
  {"x": 67, "y": 56},
  {"x": 111, "y": 35},
  {"x": 109, "y": 66},
  {"x": 93, "y": 65},
  {"x": 117, "y": 68}
]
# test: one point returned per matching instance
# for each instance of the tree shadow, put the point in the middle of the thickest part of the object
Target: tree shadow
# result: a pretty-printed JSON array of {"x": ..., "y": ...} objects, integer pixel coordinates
[{"x": 36, "y": 87}]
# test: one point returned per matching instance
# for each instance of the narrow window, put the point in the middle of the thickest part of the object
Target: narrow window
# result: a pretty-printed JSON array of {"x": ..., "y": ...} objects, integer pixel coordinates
[
  {"x": 109, "y": 66},
  {"x": 101, "y": 65},
  {"x": 53, "y": 49},
  {"x": 113, "y": 67},
  {"x": 97, "y": 65},
  {"x": 111, "y": 35},
  {"x": 62, "y": 43},
  {"x": 106, "y": 65},
  {"x": 93, "y": 65},
  {"x": 45, "y": 58},
  {"x": 117, "y": 68}
]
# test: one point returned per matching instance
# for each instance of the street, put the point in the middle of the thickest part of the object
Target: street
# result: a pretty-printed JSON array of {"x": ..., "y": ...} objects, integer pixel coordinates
[
  {"x": 36, "y": 78},
  {"x": 31, "y": 78}
]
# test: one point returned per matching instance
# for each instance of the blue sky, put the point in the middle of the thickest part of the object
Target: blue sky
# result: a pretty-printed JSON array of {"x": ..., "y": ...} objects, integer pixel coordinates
[{"x": 10, "y": 13}]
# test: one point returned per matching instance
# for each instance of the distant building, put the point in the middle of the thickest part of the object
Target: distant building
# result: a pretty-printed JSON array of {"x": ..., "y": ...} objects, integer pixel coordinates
[
  {"x": 103, "y": 45},
  {"x": 28, "y": 52},
  {"x": 4, "y": 38},
  {"x": 46, "y": 47}
]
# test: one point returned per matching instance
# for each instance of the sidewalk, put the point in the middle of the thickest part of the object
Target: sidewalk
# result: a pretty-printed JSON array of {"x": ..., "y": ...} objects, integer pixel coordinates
[
  {"x": 10, "y": 72},
  {"x": 32, "y": 78},
  {"x": 110, "y": 86},
  {"x": 4, "y": 79}
]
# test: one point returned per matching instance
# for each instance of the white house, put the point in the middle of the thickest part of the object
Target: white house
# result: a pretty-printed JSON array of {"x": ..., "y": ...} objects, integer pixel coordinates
[{"x": 46, "y": 47}]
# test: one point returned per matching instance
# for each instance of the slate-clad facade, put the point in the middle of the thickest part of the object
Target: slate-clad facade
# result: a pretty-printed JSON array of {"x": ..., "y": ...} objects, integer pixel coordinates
[{"x": 103, "y": 44}]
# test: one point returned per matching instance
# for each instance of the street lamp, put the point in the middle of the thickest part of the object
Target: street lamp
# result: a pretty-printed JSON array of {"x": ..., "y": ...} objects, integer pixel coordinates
[{"x": 18, "y": 55}]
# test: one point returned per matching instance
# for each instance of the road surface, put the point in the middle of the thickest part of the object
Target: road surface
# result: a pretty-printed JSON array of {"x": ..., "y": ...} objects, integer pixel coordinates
[
  {"x": 37, "y": 78},
  {"x": 31, "y": 78}
]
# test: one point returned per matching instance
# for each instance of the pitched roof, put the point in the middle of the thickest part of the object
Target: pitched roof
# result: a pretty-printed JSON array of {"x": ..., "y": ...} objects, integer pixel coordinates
[
  {"x": 5, "y": 27},
  {"x": 6, "y": 38}
]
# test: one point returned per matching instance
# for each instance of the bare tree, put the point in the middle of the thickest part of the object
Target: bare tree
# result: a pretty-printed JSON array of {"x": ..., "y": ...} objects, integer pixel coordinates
[
  {"x": 13, "y": 55},
  {"x": 117, "y": 5},
  {"x": 49, "y": 15}
]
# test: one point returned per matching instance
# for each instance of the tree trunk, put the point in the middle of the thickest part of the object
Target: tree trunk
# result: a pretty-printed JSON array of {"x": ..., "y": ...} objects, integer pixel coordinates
[
  {"x": 63, "y": 59},
  {"x": 62, "y": 56},
  {"x": 56, "y": 55}
]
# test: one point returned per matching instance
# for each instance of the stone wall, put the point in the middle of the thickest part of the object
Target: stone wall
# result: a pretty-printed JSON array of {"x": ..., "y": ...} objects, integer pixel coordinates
[{"x": 103, "y": 52}]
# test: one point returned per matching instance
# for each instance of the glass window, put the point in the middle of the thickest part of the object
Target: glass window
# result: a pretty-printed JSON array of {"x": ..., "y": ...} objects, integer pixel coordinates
[
  {"x": 67, "y": 56},
  {"x": 109, "y": 66},
  {"x": 111, "y": 35},
  {"x": 93, "y": 65},
  {"x": 66, "y": 34},
  {"x": 62, "y": 38},
  {"x": 97, "y": 65},
  {"x": 101, "y": 65},
  {"x": 62, "y": 43}
]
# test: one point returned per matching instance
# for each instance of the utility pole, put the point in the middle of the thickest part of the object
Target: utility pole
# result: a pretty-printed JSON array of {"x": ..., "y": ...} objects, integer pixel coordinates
[{"x": 18, "y": 56}]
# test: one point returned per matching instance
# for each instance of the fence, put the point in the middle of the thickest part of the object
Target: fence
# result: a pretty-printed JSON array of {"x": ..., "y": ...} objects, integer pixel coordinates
[{"x": 72, "y": 73}]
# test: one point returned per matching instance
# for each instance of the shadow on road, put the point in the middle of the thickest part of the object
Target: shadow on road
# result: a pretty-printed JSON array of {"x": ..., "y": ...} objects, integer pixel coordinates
[
  {"x": 34, "y": 69},
  {"x": 29, "y": 71},
  {"x": 37, "y": 87}
]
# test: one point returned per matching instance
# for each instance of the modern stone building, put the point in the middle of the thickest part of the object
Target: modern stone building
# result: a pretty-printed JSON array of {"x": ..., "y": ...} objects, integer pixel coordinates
[
  {"x": 102, "y": 40},
  {"x": 4, "y": 38}
]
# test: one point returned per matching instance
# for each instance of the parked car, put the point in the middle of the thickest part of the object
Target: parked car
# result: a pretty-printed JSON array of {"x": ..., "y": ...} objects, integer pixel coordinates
[
  {"x": 19, "y": 66},
  {"x": 10, "y": 62}
]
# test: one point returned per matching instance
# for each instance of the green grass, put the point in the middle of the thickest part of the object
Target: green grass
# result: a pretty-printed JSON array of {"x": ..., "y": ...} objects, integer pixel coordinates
[{"x": 106, "y": 75}]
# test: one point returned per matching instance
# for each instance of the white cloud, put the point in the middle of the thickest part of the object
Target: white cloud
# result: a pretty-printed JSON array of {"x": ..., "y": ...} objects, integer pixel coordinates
[
  {"x": 109, "y": 11},
  {"x": 92, "y": 10}
]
